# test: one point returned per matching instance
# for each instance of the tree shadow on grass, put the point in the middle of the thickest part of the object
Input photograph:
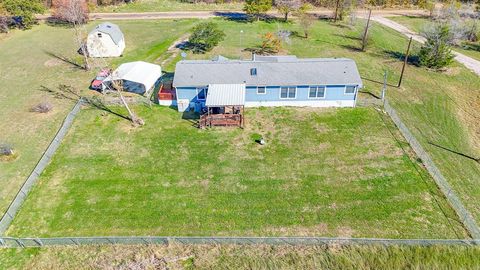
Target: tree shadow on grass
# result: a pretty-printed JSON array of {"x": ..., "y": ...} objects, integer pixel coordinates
[
  {"x": 348, "y": 37},
  {"x": 64, "y": 59},
  {"x": 455, "y": 152},
  {"x": 351, "y": 48},
  {"x": 66, "y": 92},
  {"x": 245, "y": 18},
  {"x": 412, "y": 59}
]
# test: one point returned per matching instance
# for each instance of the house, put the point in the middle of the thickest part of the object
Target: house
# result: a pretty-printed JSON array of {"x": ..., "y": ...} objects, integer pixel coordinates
[
  {"x": 137, "y": 77},
  {"x": 266, "y": 81},
  {"x": 106, "y": 40}
]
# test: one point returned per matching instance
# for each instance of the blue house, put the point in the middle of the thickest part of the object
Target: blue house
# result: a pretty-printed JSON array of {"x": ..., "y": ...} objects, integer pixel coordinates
[{"x": 266, "y": 81}]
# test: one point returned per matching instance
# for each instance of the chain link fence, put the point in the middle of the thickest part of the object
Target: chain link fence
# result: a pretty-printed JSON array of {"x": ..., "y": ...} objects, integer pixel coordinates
[
  {"x": 44, "y": 160},
  {"x": 8, "y": 242},
  {"x": 465, "y": 217}
]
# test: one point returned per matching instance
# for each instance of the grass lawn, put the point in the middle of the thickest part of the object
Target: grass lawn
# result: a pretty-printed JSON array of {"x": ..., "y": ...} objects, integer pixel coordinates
[
  {"x": 25, "y": 68},
  {"x": 242, "y": 257},
  {"x": 440, "y": 108},
  {"x": 418, "y": 23},
  {"x": 168, "y": 5},
  {"x": 322, "y": 172}
]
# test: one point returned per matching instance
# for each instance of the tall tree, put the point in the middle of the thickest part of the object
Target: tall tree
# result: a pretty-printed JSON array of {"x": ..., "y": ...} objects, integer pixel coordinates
[
  {"x": 436, "y": 53},
  {"x": 74, "y": 12},
  {"x": 257, "y": 7},
  {"x": 25, "y": 10},
  {"x": 286, "y": 7},
  {"x": 205, "y": 36}
]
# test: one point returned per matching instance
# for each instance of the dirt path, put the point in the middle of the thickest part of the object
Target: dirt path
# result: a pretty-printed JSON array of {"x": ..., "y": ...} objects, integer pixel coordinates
[
  {"x": 220, "y": 13},
  {"x": 470, "y": 63}
]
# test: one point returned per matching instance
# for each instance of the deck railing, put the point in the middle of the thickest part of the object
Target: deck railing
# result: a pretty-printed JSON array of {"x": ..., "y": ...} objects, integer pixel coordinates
[{"x": 225, "y": 120}]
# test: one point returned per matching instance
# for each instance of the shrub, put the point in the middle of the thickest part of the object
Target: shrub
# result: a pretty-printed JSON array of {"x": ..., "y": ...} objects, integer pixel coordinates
[
  {"x": 205, "y": 37},
  {"x": 436, "y": 53},
  {"x": 271, "y": 44},
  {"x": 23, "y": 10},
  {"x": 43, "y": 107},
  {"x": 257, "y": 7},
  {"x": 6, "y": 150}
]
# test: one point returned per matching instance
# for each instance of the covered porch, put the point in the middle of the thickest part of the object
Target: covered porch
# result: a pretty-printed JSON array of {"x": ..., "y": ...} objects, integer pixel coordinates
[{"x": 225, "y": 106}]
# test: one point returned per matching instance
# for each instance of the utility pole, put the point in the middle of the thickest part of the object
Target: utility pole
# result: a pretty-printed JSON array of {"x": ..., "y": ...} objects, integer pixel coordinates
[
  {"x": 336, "y": 11},
  {"x": 364, "y": 39},
  {"x": 405, "y": 61}
]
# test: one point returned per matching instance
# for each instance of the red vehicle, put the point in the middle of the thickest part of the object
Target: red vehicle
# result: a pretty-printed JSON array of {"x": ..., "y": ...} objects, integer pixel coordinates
[{"x": 101, "y": 76}]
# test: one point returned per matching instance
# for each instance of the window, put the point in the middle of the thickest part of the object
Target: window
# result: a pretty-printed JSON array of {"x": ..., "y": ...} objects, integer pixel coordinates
[
  {"x": 99, "y": 35},
  {"x": 261, "y": 90},
  {"x": 202, "y": 93},
  {"x": 288, "y": 92},
  {"x": 253, "y": 71},
  {"x": 316, "y": 92},
  {"x": 350, "y": 90}
]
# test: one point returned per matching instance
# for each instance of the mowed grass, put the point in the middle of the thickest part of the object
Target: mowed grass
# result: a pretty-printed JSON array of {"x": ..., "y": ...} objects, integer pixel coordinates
[
  {"x": 176, "y": 256},
  {"x": 418, "y": 24},
  {"x": 169, "y": 5},
  {"x": 28, "y": 62},
  {"x": 321, "y": 173},
  {"x": 440, "y": 108}
]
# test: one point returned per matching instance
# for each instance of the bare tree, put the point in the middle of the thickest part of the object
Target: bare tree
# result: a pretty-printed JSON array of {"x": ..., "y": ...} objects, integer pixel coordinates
[
  {"x": 75, "y": 12},
  {"x": 306, "y": 22},
  {"x": 287, "y": 6},
  {"x": 118, "y": 85}
]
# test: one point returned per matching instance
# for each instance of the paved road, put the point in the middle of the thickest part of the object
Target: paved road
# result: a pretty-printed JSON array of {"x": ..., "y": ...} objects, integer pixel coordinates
[{"x": 470, "y": 63}]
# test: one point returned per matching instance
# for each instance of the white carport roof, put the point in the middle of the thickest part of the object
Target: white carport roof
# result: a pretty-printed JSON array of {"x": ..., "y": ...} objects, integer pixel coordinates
[
  {"x": 139, "y": 72},
  {"x": 220, "y": 95}
]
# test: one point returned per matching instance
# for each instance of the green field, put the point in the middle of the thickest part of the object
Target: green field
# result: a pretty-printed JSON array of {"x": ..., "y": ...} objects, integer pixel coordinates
[
  {"x": 176, "y": 256},
  {"x": 417, "y": 24},
  {"x": 169, "y": 5},
  {"x": 25, "y": 69},
  {"x": 438, "y": 107},
  {"x": 323, "y": 173}
]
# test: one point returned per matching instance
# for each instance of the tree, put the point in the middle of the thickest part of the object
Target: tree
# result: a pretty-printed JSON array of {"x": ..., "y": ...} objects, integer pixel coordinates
[
  {"x": 257, "y": 7},
  {"x": 436, "y": 53},
  {"x": 286, "y": 7},
  {"x": 306, "y": 20},
  {"x": 271, "y": 44},
  {"x": 25, "y": 10},
  {"x": 205, "y": 36},
  {"x": 74, "y": 12}
]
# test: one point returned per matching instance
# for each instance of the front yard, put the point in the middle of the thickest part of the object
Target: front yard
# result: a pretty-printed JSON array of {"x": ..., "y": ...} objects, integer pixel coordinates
[{"x": 322, "y": 172}]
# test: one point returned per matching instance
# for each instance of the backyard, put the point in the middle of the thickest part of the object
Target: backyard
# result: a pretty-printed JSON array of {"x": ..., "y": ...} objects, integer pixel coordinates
[
  {"x": 335, "y": 172},
  {"x": 322, "y": 173}
]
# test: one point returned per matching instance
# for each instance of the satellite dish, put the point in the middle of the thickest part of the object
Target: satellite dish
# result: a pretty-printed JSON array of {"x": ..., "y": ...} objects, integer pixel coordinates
[{"x": 184, "y": 55}]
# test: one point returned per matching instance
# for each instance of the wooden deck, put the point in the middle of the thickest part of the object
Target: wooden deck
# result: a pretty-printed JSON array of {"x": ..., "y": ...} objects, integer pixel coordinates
[{"x": 221, "y": 120}]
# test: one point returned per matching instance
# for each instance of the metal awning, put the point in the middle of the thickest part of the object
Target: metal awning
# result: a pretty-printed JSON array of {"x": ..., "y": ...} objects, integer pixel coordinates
[{"x": 220, "y": 95}]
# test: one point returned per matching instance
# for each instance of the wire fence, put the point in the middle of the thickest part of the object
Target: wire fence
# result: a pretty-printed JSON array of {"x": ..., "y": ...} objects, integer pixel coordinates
[
  {"x": 8, "y": 242},
  {"x": 42, "y": 163},
  {"x": 464, "y": 215}
]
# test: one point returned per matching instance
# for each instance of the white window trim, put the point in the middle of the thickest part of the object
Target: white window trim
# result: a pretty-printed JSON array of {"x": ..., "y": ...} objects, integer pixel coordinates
[
  {"x": 350, "y": 94},
  {"x": 262, "y": 93},
  {"x": 280, "y": 92},
  {"x": 324, "y": 93},
  {"x": 199, "y": 89}
]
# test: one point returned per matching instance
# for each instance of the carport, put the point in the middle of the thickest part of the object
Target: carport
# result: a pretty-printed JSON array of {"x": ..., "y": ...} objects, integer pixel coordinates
[{"x": 138, "y": 77}]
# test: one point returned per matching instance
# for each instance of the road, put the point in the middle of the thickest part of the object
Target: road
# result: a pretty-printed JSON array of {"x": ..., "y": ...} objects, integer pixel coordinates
[
  {"x": 468, "y": 62},
  {"x": 377, "y": 15}
]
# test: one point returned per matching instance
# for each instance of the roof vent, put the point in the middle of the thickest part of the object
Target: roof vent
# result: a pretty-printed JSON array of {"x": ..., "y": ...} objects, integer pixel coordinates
[{"x": 253, "y": 71}]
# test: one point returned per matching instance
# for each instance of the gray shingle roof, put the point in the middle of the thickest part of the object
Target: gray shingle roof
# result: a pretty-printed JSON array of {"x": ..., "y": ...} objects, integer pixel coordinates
[
  {"x": 110, "y": 29},
  {"x": 287, "y": 71}
]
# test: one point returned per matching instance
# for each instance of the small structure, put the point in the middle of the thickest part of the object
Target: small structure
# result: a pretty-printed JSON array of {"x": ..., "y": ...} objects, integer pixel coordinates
[
  {"x": 106, "y": 40},
  {"x": 138, "y": 77},
  {"x": 225, "y": 104}
]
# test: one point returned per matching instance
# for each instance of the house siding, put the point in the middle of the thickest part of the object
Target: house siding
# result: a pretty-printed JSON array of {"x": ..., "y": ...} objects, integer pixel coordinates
[{"x": 334, "y": 96}]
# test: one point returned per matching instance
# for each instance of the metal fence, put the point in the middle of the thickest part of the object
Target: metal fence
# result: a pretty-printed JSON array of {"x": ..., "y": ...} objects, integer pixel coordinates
[
  {"x": 42, "y": 163},
  {"x": 8, "y": 242},
  {"x": 465, "y": 217}
]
